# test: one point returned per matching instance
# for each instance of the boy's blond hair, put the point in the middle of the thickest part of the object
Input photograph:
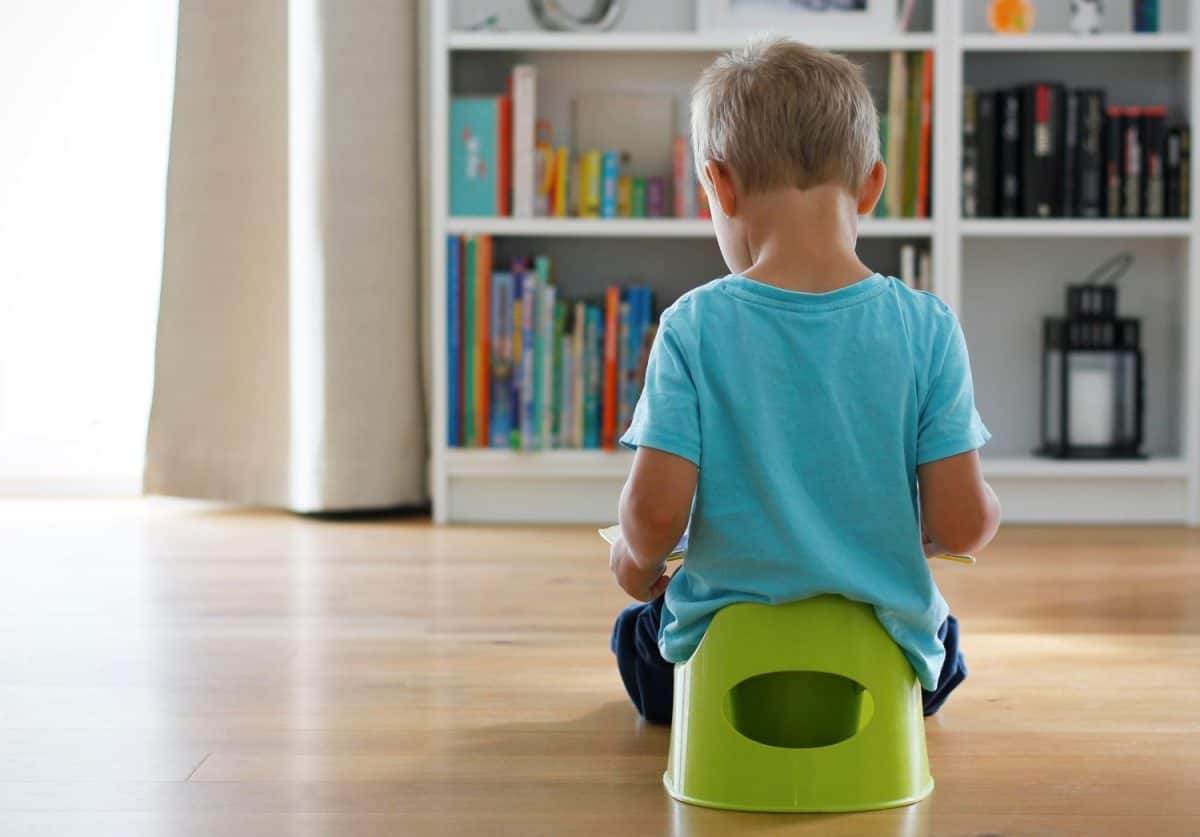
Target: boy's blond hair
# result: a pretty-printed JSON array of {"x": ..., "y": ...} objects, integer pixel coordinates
[{"x": 781, "y": 114}]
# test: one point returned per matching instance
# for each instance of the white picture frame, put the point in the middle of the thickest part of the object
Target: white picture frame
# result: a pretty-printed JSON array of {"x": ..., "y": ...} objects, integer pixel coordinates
[{"x": 791, "y": 17}]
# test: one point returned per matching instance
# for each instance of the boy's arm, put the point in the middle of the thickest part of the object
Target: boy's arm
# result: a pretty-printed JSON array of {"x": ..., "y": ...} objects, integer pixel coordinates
[
  {"x": 959, "y": 510},
  {"x": 656, "y": 504}
]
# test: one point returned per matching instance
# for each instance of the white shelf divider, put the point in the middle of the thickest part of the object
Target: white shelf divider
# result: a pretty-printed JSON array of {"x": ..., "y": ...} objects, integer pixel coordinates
[
  {"x": 534, "y": 41},
  {"x": 1075, "y": 228},
  {"x": 650, "y": 227},
  {"x": 1127, "y": 42}
]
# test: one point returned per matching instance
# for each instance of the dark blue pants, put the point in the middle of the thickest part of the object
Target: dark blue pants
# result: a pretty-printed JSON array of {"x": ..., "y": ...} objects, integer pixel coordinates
[{"x": 650, "y": 680}]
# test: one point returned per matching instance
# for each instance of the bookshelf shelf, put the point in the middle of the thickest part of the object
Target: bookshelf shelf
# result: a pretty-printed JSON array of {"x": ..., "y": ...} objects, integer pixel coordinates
[
  {"x": 650, "y": 227},
  {"x": 978, "y": 263},
  {"x": 670, "y": 41},
  {"x": 1129, "y": 42},
  {"x": 1075, "y": 228}
]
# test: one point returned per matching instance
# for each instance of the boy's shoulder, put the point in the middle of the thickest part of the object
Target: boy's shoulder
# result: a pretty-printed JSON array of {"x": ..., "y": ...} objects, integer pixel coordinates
[{"x": 685, "y": 311}]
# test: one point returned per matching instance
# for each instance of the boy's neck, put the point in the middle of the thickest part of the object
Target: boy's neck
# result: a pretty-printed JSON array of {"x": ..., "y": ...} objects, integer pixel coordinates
[{"x": 803, "y": 240}]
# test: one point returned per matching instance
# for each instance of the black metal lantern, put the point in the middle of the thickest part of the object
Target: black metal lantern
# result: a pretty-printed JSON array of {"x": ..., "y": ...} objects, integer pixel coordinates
[{"x": 1092, "y": 378}]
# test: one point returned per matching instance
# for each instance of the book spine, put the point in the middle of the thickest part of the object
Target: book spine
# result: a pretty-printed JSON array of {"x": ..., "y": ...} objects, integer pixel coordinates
[
  {"x": 1010, "y": 154},
  {"x": 523, "y": 83},
  {"x": 970, "y": 153},
  {"x": 1131, "y": 157},
  {"x": 682, "y": 189},
  {"x": 921, "y": 209},
  {"x": 656, "y": 197},
  {"x": 1090, "y": 189},
  {"x": 1112, "y": 162},
  {"x": 453, "y": 341},
  {"x": 544, "y": 156},
  {"x": 912, "y": 133},
  {"x": 1145, "y": 15},
  {"x": 624, "y": 363},
  {"x": 592, "y": 186},
  {"x": 881, "y": 204},
  {"x": 637, "y": 199},
  {"x": 470, "y": 342},
  {"x": 529, "y": 295},
  {"x": 561, "y": 167},
  {"x": 594, "y": 378},
  {"x": 1172, "y": 173},
  {"x": 516, "y": 360},
  {"x": 609, "y": 174},
  {"x": 1154, "y": 137},
  {"x": 1070, "y": 158},
  {"x": 562, "y": 381},
  {"x": 924, "y": 271},
  {"x": 1038, "y": 163},
  {"x": 897, "y": 93},
  {"x": 504, "y": 155},
  {"x": 612, "y": 313},
  {"x": 908, "y": 265},
  {"x": 1185, "y": 172},
  {"x": 547, "y": 343},
  {"x": 501, "y": 413},
  {"x": 483, "y": 304},
  {"x": 578, "y": 336},
  {"x": 625, "y": 196},
  {"x": 986, "y": 137},
  {"x": 541, "y": 268},
  {"x": 566, "y": 420}
]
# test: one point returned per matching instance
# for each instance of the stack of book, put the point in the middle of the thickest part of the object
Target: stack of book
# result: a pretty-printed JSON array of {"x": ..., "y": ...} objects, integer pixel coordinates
[
  {"x": 529, "y": 370},
  {"x": 503, "y": 159},
  {"x": 906, "y": 131},
  {"x": 916, "y": 267},
  {"x": 1044, "y": 151}
]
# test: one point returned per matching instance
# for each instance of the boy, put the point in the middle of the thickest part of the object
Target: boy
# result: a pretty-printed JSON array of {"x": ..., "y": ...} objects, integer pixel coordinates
[{"x": 791, "y": 408}]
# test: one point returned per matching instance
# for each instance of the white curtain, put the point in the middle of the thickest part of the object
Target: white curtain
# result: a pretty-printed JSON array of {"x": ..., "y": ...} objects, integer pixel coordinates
[{"x": 288, "y": 368}]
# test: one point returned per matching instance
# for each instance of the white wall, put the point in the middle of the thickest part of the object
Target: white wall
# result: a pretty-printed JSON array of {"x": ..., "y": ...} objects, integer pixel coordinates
[{"x": 85, "y": 97}]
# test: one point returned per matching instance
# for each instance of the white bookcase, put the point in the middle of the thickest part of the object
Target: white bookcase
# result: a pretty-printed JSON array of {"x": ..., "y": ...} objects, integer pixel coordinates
[{"x": 1001, "y": 275}]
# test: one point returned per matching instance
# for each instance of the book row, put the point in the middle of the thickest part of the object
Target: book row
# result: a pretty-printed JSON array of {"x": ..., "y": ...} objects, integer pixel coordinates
[
  {"x": 626, "y": 158},
  {"x": 1045, "y": 151},
  {"x": 530, "y": 370}
]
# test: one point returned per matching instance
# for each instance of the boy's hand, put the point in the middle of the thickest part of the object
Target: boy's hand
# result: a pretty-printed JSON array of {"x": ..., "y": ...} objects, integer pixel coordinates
[
  {"x": 932, "y": 548},
  {"x": 643, "y": 585}
]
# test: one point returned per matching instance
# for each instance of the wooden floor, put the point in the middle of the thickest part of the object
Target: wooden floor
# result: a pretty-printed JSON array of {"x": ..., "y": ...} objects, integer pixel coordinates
[{"x": 179, "y": 669}]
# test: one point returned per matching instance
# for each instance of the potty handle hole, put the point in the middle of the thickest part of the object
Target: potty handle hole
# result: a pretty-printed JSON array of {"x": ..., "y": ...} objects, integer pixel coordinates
[{"x": 799, "y": 709}]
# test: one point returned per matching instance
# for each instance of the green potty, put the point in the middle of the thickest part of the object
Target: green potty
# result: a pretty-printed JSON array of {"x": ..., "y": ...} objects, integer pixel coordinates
[{"x": 808, "y": 706}]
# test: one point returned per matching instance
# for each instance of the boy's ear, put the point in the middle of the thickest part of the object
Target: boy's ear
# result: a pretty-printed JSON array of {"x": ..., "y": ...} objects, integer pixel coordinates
[
  {"x": 720, "y": 180},
  {"x": 872, "y": 188}
]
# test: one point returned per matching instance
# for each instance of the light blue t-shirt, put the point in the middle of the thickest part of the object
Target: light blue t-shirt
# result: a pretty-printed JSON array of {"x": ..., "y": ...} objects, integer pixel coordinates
[{"x": 807, "y": 416}]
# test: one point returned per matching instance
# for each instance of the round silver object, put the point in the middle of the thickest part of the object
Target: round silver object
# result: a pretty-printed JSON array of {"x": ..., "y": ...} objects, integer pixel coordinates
[{"x": 603, "y": 15}]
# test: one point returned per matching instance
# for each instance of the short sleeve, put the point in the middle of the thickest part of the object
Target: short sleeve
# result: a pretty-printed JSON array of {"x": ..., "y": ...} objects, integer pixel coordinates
[
  {"x": 667, "y": 416},
  {"x": 949, "y": 424}
]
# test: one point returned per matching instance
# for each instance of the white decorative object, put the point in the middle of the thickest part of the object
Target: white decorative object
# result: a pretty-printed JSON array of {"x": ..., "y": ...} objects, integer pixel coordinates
[
  {"x": 1087, "y": 17},
  {"x": 796, "y": 17},
  {"x": 603, "y": 15}
]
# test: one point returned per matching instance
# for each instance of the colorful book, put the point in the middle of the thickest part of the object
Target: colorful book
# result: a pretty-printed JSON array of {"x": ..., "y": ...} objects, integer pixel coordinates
[
  {"x": 480, "y": 151},
  {"x": 590, "y": 184},
  {"x": 517, "y": 356},
  {"x": 638, "y": 197},
  {"x": 502, "y": 324},
  {"x": 594, "y": 377},
  {"x": 470, "y": 341},
  {"x": 546, "y": 345},
  {"x": 912, "y": 132},
  {"x": 610, "y": 329},
  {"x": 529, "y": 293},
  {"x": 523, "y": 89},
  {"x": 561, "y": 167},
  {"x": 483, "y": 305},
  {"x": 624, "y": 360},
  {"x": 921, "y": 204},
  {"x": 454, "y": 388},
  {"x": 578, "y": 388},
  {"x": 684, "y": 179},
  {"x": 656, "y": 197},
  {"x": 609, "y": 175},
  {"x": 562, "y": 374},
  {"x": 896, "y": 119},
  {"x": 881, "y": 204},
  {"x": 625, "y": 196}
]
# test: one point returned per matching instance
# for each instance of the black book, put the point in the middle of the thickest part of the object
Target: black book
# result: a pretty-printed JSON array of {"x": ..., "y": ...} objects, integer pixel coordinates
[
  {"x": 1131, "y": 160},
  {"x": 1041, "y": 155},
  {"x": 1185, "y": 171},
  {"x": 1154, "y": 146},
  {"x": 1113, "y": 165},
  {"x": 1009, "y": 104},
  {"x": 1089, "y": 189},
  {"x": 1172, "y": 161},
  {"x": 1070, "y": 158},
  {"x": 970, "y": 154},
  {"x": 986, "y": 162}
]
